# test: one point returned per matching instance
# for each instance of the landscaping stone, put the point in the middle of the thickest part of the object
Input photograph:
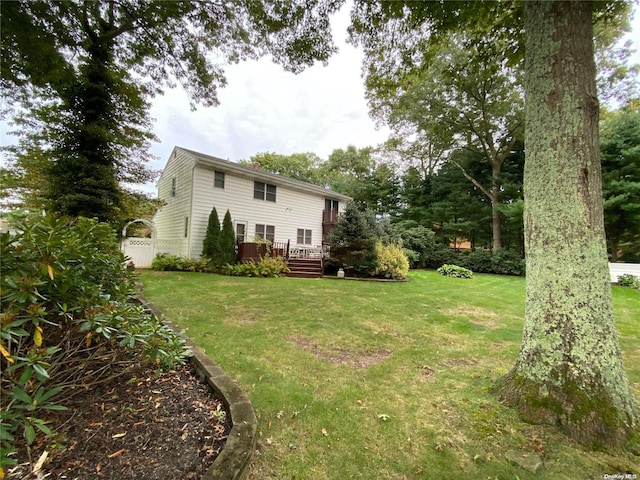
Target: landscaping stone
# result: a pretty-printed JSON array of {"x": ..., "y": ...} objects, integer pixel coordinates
[{"x": 527, "y": 460}]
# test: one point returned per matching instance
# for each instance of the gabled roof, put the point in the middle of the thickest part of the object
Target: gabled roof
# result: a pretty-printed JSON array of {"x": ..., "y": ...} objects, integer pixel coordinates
[{"x": 261, "y": 175}]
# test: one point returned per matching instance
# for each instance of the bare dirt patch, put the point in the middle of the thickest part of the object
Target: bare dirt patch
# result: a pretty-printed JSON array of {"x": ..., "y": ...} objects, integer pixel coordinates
[
  {"x": 427, "y": 372},
  {"x": 341, "y": 356},
  {"x": 479, "y": 316},
  {"x": 458, "y": 362},
  {"x": 245, "y": 320}
]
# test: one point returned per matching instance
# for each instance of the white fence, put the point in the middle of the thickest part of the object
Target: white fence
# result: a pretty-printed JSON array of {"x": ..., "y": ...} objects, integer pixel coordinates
[
  {"x": 142, "y": 251},
  {"x": 174, "y": 247},
  {"x": 617, "y": 269}
]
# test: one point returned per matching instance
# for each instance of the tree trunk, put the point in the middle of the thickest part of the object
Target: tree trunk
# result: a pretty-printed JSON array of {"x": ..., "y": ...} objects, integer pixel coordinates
[
  {"x": 569, "y": 370},
  {"x": 496, "y": 219},
  {"x": 613, "y": 240}
]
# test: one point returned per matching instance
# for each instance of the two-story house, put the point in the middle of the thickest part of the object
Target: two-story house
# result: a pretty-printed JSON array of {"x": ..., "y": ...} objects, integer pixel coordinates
[{"x": 262, "y": 205}]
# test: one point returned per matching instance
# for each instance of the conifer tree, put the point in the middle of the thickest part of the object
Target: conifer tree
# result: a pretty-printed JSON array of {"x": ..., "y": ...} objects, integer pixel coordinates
[
  {"x": 211, "y": 243},
  {"x": 227, "y": 242}
]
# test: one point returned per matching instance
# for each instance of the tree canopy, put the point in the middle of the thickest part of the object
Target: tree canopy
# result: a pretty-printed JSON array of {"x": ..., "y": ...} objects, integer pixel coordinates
[
  {"x": 81, "y": 74},
  {"x": 300, "y": 166}
]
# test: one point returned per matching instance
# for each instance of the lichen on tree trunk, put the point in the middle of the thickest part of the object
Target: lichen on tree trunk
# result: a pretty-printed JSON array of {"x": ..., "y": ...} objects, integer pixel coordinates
[{"x": 569, "y": 371}]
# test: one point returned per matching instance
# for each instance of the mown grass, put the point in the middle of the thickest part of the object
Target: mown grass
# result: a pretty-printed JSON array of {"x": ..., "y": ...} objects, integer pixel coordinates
[{"x": 370, "y": 380}]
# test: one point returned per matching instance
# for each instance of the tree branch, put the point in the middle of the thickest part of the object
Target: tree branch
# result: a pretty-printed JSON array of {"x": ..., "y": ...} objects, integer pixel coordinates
[{"x": 473, "y": 180}]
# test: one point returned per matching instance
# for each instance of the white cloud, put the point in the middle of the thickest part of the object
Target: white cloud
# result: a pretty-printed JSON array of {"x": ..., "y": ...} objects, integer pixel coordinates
[{"x": 263, "y": 108}]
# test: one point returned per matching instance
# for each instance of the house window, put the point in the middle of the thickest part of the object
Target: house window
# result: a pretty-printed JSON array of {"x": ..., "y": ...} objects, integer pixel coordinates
[
  {"x": 173, "y": 187},
  {"x": 267, "y": 232},
  {"x": 331, "y": 205},
  {"x": 241, "y": 232},
  {"x": 218, "y": 181},
  {"x": 304, "y": 237},
  {"x": 186, "y": 227},
  {"x": 271, "y": 193},
  {"x": 264, "y": 191}
]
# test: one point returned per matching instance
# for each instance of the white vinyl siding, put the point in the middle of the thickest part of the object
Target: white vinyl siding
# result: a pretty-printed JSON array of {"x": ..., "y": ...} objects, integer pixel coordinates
[
  {"x": 293, "y": 210},
  {"x": 175, "y": 188}
]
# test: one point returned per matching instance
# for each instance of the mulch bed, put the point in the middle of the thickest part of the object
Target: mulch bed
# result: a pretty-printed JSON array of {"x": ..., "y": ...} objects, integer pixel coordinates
[{"x": 139, "y": 426}]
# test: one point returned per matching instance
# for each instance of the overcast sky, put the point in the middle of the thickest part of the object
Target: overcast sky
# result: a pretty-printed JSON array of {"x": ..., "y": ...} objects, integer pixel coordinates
[{"x": 265, "y": 109}]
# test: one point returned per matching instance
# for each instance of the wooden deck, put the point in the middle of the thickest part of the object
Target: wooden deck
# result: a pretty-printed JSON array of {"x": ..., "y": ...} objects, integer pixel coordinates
[{"x": 303, "y": 261}]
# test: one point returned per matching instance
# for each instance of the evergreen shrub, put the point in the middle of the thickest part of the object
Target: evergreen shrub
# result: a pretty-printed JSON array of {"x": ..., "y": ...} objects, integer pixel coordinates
[
  {"x": 503, "y": 262},
  {"x": 352, "y": 241},
  {"x": 478, "y": 260},
  {"x": 438, "y": 256},
  {"x": 67, "y": 315},
  {"x": 507, "y": 262},
  {"x": 418, "y": 242},
  {"x": 211, "y": 244},
  {"x": 227, "y": 241}
]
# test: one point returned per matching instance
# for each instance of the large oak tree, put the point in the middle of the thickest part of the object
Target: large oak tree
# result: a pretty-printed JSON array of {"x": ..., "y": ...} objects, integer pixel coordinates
[{"x": 569, "y": 371}]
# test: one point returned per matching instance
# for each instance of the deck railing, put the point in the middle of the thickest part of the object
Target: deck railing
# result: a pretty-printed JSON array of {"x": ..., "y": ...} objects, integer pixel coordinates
[
  {"x": 251, "y": 251},
  {"x": 330, "y": 216},
  {"x": 319, "y": 251}
]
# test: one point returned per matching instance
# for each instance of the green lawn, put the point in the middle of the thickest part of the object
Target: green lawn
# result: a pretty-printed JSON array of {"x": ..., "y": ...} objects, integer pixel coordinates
[{"x": 373, "y": 380}]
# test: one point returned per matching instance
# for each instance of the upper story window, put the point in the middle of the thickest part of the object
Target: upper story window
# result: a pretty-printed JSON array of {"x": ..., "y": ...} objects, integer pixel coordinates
[
  {"x": 173, "y": 187},
  {"x": 331, "y": 205},
  {"x": 264, "y": 191},
  {"x": 218, "y": 180}
]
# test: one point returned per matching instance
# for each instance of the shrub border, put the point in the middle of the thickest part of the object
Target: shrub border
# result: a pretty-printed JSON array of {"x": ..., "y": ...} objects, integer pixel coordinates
[{"x": 233, "y": 462}]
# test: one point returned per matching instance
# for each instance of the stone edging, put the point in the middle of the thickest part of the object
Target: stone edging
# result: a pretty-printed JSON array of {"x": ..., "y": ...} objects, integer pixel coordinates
[{"x": 233, "y": 462}]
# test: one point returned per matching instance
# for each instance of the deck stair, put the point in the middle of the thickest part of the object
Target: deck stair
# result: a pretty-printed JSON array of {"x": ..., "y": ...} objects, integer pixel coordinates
[{"x": 305, "y": 267}]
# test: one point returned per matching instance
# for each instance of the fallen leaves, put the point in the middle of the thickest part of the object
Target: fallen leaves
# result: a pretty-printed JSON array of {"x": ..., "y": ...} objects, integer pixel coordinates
[{"x": 144, "y": 421}]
